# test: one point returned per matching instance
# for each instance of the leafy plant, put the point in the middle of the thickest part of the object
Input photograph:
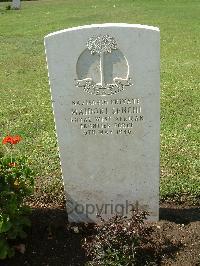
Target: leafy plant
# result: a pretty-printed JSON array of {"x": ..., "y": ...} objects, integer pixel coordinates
[
  {"x": 122, "y": 241},
  {"x": 16, "y": 183},
  {"x": 117, "y": 240}
]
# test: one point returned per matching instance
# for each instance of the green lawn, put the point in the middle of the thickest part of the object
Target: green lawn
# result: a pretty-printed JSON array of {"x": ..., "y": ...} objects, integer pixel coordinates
[{"x": 25, "y": 104}]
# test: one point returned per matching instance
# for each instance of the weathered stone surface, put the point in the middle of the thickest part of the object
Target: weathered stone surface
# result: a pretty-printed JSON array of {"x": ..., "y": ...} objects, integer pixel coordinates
[
  {"x": 16, "y": 4},
  {"x": 105, "y": 90}
]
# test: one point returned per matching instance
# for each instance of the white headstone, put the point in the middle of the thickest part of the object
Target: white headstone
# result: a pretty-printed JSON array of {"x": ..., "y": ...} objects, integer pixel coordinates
[
  {"x": 105, "y": 91},
  {"x": 16, "y": 4}
]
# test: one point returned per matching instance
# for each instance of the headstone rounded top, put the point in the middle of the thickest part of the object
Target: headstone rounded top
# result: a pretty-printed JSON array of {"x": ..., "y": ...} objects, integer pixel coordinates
[{"x": 104, "y": 25}]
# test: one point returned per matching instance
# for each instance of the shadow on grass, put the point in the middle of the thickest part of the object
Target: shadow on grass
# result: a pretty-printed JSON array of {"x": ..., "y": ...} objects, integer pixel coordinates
[{"x": 180, "y": 215}]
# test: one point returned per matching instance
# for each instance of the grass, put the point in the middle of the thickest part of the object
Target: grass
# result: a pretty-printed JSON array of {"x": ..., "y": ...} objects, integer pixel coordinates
[{"x": 25, "y": 106}]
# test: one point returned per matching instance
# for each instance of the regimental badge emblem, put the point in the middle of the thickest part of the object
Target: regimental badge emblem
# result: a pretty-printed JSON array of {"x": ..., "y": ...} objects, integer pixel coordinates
[{"x": 102, "y": 69}]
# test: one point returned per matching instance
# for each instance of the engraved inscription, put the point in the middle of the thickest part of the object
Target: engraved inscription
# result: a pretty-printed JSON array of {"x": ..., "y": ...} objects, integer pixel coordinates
[
  {"x": 102, "y": 69},
  {"x": 107, "y": 117}
]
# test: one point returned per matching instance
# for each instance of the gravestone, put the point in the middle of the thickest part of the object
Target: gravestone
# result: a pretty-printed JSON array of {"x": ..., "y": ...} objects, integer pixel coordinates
[
  {"x": 104, "y": 83},
  {"x": 16, "y": 4}
]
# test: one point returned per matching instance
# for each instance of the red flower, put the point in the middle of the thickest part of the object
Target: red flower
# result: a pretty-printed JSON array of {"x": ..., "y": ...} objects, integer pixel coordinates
[
  {"x": 11, "y": 139},
  {"x": 12, "y": 164}
]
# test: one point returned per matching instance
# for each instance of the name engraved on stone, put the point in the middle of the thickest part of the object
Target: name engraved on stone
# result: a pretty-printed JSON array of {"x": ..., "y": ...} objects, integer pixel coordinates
[{"x": 106, "y": 117}]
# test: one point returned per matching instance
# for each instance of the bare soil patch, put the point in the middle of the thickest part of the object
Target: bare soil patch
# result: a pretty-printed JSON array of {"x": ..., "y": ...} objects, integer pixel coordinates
[{"x": 51, "y": 241}]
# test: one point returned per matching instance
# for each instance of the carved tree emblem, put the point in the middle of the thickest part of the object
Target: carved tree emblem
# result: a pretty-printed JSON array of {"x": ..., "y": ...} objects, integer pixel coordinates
[{"x": 99, "y": 46}]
